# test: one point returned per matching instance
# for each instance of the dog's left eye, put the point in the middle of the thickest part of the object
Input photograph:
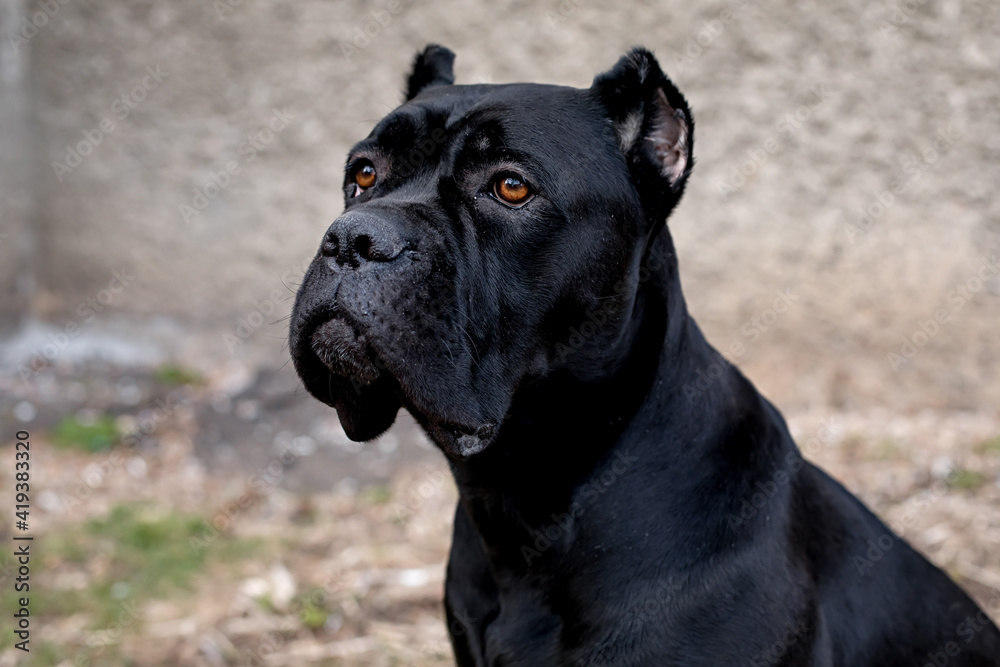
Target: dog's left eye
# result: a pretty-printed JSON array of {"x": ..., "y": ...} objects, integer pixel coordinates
[
  {"x": 364, "y": 176},
  {"x": 511, "y": 190}
]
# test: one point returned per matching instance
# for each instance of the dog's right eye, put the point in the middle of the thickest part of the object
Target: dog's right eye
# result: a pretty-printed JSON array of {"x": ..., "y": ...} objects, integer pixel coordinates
[
  {"x": 511, "y": 189},
  {"x": 364, "y": 176}
]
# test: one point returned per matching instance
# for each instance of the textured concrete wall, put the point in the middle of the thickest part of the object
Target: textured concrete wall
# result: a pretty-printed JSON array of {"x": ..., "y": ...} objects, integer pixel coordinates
[
  {"x": 827, "y": 109},
  {"x": 18, "y": 173}
]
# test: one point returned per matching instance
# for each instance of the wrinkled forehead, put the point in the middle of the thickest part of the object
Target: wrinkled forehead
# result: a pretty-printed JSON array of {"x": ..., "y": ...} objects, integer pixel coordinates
[
  {"x": 561, "y": 139},
  {"x": 523, "y": 120}
]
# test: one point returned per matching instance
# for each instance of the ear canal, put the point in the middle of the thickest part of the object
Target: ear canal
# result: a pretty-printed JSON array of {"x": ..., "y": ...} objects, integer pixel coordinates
[
  {"x": 651, "y": 118},
  {"x": 668, "y": 139},
  {"x": 431, "y": 67}
]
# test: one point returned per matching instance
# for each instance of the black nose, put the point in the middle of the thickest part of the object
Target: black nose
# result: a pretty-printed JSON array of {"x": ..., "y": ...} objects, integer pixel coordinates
[{"x": 356, "y": 238}]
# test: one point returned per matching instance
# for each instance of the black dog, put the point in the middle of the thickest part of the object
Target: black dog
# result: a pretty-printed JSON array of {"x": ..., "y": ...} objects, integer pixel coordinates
[{"x": 503, "y": 271}]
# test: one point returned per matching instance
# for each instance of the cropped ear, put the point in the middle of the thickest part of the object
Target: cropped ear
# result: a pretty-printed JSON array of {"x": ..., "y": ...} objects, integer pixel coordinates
[
  {"x": 432, "y": 67},
  {"x": 651, "y": 118}
]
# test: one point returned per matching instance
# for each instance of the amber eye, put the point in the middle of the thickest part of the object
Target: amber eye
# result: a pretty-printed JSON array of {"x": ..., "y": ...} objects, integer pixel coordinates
[
  {"x": 512, "y": 190},
  {"x": 364, "y": 176}
]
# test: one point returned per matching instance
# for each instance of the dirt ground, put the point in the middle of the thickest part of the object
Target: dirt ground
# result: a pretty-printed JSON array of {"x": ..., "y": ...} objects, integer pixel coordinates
[{"x": 149, "y": 553}]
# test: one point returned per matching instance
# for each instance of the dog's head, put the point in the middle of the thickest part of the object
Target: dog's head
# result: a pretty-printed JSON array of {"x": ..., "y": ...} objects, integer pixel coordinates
[{"x": 482, "y": 225}]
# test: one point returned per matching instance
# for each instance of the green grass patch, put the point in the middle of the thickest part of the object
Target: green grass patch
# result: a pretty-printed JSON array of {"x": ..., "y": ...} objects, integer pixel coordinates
[
  {"x": 966, "y": 480},
  {"x": 142, "y": 553},
  {"x": 148, "y": 550},
  {"x": 94, "y": 435},
  {"x": 152, "y": 553},
  {"x": 376, "y": 494},
  {"x": 312, "y": 609},
  {"x": 313, "y": 618},
  {"x": 991, "y": 446},
  {"x": 43, "y": 653},
  {"x": 134, "y": 554},
  {"x": 886, "y": 450},
  {"x": 176, "y": 375},
  {"x": 266, "y": 603}
]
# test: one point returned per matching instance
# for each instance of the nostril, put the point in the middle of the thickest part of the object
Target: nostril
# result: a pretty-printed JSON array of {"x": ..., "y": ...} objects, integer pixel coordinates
[
  {"x": 353, "y": 240},
  {"x": 377, "y": 248},
  {"x": 365, "y": 248},
  {"x": 331, "y": 245}
]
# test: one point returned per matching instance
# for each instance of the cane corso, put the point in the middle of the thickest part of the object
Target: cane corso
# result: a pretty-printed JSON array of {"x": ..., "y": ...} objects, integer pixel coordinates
[{"x": 503, "y": 271}]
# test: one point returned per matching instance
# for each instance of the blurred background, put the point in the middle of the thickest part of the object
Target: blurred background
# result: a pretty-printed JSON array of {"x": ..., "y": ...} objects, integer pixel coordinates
[{"x": 167, "y": 171}]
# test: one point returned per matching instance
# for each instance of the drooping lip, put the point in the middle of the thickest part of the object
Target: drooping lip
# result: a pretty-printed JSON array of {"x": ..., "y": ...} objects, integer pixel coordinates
[
  {"x": 340, "y": 348},
  {"x": 343, "y": 351}
]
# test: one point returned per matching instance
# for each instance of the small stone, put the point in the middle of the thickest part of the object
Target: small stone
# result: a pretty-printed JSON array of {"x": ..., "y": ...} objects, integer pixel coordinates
[
  {"x": 413, "y": 578},
  {"x": 248, "y": 409},
  {"x": 25, "y": 412},
  {"x": 942, "y": 466},
  {"x": 136, "y": 466},
  {"x": 119, "y": 590},
  {"x": 129, "y": 392},
  {"x": 303, "y": 445},
  {"x": 282, "y": 586},
  {"x": 387, "y": 444}
]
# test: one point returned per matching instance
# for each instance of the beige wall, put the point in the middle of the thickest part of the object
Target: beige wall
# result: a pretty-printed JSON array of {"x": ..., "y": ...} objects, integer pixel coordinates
[
  {"x": 18, "y": 164},
  {"x": 866, "y": 86}
]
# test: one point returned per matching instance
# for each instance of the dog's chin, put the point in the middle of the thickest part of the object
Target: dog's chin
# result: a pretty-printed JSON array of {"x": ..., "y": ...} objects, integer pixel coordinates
[
  {"x": 366, "y": 411},
  {"x": 370, "y": 412},
  {"x": 337, "y": 369},
  {"x": 460, "y": 443},
  {"x": 340, "y": 369}
]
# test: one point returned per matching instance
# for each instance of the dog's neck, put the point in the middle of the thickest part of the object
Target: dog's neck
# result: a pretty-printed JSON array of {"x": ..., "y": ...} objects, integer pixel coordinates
[{"x": 560, "y": 429}]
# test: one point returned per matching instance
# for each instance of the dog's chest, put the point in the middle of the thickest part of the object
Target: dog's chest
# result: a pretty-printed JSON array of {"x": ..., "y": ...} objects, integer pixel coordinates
[{"x": 524, "y": 634}]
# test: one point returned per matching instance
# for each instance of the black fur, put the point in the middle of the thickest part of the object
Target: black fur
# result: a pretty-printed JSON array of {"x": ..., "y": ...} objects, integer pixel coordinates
[
  {"x": 546, "y": 350},
  {"x": 431, "y": 67}
]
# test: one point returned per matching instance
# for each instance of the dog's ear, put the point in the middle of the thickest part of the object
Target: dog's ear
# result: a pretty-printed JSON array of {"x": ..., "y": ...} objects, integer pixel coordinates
[
  {"x": 651, "y": 118},
  {"x": 432, "y": 67}
]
